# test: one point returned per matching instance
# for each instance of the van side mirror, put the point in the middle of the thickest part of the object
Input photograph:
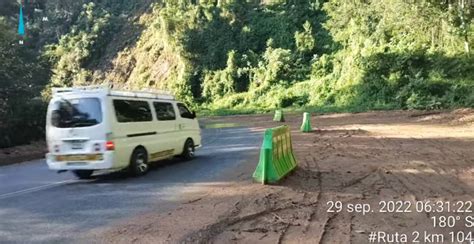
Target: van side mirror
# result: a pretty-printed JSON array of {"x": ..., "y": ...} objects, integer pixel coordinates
[{"x": 194, "y": 114}]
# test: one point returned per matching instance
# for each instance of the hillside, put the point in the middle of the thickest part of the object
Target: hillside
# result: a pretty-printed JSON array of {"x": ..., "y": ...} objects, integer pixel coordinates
[
  {"x": 236, "y": 55},
  {"x": 243, "y": 55}
]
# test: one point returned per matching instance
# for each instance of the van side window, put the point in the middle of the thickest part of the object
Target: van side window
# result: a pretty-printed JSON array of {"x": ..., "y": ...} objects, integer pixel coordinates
[
  {"x": 132, "y": 111},
  {"x": 184, "y": 111},
  {"x": 164, "y": 111}
]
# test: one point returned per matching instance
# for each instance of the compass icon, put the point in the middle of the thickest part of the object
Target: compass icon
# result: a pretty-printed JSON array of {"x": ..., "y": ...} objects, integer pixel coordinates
[
  {"x": 30, "y": 12},
  {"x": 21, "y": 22}
]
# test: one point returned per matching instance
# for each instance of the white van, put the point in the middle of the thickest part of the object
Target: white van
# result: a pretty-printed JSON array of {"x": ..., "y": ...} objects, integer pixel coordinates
[{"x": 96, "y": 128}]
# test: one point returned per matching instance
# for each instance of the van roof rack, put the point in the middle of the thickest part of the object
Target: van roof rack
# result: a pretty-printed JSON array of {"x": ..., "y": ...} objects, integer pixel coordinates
[
  {"x": 145, "y": 94},
  {"x": 155, "y": 94},
  {"x": 95, "y": 88}
]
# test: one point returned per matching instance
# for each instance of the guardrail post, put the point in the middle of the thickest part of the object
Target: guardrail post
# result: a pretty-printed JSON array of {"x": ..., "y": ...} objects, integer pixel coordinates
[
  {"x": 306, "y": 125},
  {"x": 279, "y": 116}
]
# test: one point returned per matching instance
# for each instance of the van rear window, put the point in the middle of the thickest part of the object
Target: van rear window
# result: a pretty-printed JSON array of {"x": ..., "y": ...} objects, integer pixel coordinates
[
  {"x": 81, "y": 112},
  {"x": 132, "y": 111}
]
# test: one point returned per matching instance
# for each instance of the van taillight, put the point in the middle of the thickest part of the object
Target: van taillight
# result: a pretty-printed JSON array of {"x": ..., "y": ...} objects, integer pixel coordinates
[{"x": 110, "y": 146}]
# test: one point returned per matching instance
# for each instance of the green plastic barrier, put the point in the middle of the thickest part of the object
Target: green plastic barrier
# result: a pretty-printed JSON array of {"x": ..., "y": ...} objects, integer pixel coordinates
[
  {"x": 279, "y": 116},
  {"x": 306, "y": 125},
  {"x": 276, "y": 156}
]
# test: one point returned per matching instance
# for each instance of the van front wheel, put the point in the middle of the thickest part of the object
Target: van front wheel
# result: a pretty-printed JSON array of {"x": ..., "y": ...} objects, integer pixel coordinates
[
  {"x": 188, "y": 150},
  {"x": 83, "y": 174},
  {"x": 139, "y": 162}
]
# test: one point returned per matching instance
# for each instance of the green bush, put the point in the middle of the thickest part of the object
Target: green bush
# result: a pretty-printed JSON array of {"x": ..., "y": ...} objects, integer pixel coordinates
[
  {"x": 25, "y": 123},
  {"x": 22, "y": 76}
]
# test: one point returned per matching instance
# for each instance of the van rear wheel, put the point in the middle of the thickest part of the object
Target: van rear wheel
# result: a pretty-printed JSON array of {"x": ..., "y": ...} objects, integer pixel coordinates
[
  {"x": 139, "y": 162},
  {"x": 188, "y": 150},
  {"x": 83, "y": 174}
]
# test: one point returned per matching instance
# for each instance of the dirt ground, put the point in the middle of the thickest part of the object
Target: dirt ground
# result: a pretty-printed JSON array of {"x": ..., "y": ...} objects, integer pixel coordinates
[
  {"x": 34, "y": 150},
  {"x": 410, "y": 158}
]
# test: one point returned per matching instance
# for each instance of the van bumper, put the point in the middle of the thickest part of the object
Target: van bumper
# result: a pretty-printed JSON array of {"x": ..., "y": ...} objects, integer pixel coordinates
[{"x": 106, "y": 163}]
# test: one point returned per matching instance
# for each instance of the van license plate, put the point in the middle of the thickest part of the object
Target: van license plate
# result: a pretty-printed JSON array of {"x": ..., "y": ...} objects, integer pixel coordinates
[
  {"x": 76, "y": 163},
  {"x": 77, "y": 145}
]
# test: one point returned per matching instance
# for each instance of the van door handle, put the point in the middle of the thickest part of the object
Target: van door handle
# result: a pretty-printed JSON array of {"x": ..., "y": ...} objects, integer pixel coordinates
[{"x": 181, "y": 126}]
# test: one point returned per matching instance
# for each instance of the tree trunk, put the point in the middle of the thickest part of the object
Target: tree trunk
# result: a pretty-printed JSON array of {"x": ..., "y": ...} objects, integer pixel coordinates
[
  {"x": 466, "y": 45},
  {"x": 466, "y": 26}
]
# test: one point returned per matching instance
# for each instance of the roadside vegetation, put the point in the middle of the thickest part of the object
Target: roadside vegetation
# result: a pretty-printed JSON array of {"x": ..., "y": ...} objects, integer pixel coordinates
[{"x": 229, "y": 56}]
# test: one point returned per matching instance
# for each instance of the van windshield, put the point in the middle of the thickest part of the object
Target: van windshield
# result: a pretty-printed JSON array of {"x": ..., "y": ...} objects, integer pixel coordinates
[{"x": 80, "y": 112}]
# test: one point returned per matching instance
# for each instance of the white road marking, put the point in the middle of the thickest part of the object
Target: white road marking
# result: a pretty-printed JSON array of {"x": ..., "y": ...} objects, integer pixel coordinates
[{"x": 35, "y": 189}]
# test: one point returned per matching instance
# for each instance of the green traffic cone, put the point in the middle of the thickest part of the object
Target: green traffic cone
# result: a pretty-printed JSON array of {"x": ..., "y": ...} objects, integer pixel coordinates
[
  {"x": 306, "y": 126},
  {"x": 279, "y": 116}
]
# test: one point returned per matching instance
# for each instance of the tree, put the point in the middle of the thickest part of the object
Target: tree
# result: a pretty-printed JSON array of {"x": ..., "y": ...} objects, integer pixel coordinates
[
  {"x": 76, "y": 49},
  {"x": 304, "y": 40},
  {"x": 22, "y": 76}
]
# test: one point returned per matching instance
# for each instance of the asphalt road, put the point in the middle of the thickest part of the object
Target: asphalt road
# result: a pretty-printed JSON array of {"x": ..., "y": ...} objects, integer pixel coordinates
[{"x": 41, "y": 206}]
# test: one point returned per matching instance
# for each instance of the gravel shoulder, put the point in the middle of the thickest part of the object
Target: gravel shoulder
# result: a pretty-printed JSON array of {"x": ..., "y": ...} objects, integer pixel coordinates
[
  {"x": 24, "y": 153},
  {"x": 407, "y": 156}
]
